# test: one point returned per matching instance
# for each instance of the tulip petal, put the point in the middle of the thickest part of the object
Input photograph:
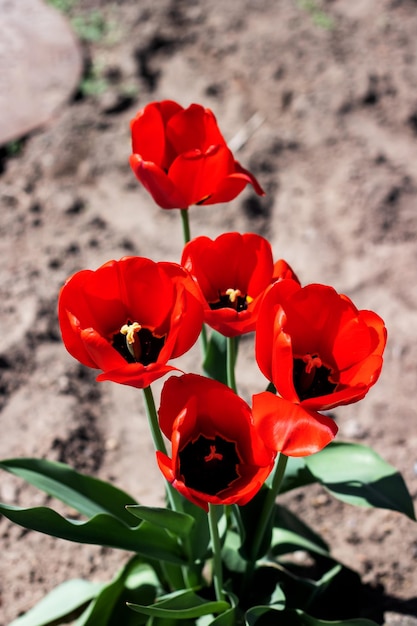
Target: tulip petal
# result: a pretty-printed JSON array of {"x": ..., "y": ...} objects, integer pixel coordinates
[
  {"x": 196, "y": 174},
  {"x": 289, "y": 428},
  {"x": 194, "y": 128},
  {"x": 137, "y": 375},
  {"x": 156, "y": 182},
  {"x": 232, "y": 185},
  {"x": 148, "y": 135}
]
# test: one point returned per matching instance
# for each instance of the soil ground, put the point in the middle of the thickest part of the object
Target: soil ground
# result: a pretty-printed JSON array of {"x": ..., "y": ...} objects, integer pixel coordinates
[{"x": 326, "y": 93}]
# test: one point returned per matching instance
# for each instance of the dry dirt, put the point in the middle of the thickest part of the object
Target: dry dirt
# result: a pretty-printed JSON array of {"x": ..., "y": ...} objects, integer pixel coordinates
[{"x": 333, "y": 88}]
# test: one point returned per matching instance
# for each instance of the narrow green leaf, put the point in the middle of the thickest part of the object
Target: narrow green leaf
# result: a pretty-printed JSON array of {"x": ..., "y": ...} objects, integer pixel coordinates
[
  {"x": 215, "y": 362},
  {"x": 99, "y": 611},
  {"x": 110, "y": 603},
  {"x": 200, "y": 535},
  {"x": 285, "y": 542},
  {"x": 196, "y": 611},
  {"x": 228, "y": 618},
  {"x": 290, "y": 534},
  {"x": 256, "y": 612},
  {"x": 231, "y": 556},
  {"x": 296, "y": 475},
  {"x": 178, "y": 523},
  {"x": 184, "y": 604},
  {"x": 60, "y": 603},
  {"x": 356, "y": 474},
  {"x": 89, "y": 496},
  {"x": 104, "y": 530},
  {"x": 140, "y": 574},
  {"x": 249, "y": 514},
  {"x": 296, "y": 617}
]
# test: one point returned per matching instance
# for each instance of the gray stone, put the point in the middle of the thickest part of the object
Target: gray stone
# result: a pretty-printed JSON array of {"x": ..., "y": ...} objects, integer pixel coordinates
[{"x": 40, "y": 65}]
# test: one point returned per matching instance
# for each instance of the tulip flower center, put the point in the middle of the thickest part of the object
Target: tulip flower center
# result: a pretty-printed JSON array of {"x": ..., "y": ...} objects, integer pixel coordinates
[
  {"x": 209, "y": 465},
  {"x": 232, "y": 299},
  {"x": 137, "y": 344},
  {"x": 311, "y": 377}
]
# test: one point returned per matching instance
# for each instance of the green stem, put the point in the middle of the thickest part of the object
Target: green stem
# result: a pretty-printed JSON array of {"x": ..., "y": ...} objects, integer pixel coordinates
[
  {"x": 173, "y": 495},
  {"x": 231, "y": 362},
  {"x": 264, "y": 518},
  {"x": 217, "y": 561},
  {"x": 153, "y": 421},
  {"x": 269, "y": 504},
  {"x": 185, "y": 225}
]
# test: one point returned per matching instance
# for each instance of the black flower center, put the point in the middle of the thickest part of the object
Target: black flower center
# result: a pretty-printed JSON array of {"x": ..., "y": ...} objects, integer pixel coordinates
[
  {"x": 137, "y": 344},
  {"x": 311, "y": 378},
  {"x": 231, "y": 299},
  {"x": 209, "y": 465}
]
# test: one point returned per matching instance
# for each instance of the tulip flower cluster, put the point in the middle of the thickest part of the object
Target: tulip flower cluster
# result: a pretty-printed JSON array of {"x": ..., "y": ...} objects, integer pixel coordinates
[
  {"x": 131, "y": 317},
  {"x": 215, "y": 554}
]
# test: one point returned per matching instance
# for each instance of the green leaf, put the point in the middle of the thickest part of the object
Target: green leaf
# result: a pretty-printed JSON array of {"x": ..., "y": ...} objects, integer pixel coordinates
[
  {"x": 103, "y": 530},
  {"x": 110, "y": 604},
  {"x": 216, "y": 356},
  {"x": 200, "y": 535},
  {"x": 181, "y": 605},
  {"x": 256, "y": 612},
  {"x": 290, "y": 534},
  {"x": 231, "y": 554},
  {"x": 301, "y": 590},
  {"x": 178, "y": 523},
  {"x": 228, "y": 618},
  {"x": 249, "y": 514},
  {"x": 60, "y": 603},
  {"x": 89, "y": 496},
  {"x": 296, "y": 475},
  {"x": 140, "y": 585},
  {"x": 296, "y": 617},
  {"x": 276, "y": 603},
  {"x": 356, "y": 474}
]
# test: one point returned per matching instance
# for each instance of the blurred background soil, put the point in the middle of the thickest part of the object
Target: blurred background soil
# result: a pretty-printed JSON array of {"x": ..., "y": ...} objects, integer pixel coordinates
[{"x": 319, "y": 101}]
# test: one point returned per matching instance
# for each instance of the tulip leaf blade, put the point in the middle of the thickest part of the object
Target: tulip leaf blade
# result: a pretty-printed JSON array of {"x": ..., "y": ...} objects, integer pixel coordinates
[
  {"x": 277, "y": 603},
  {"x": 216, "y": 357},
  {"x": 296, "y": 475},
  {"x": 87, "y": 495},
  {"x": 356, "y": 474},
  {"x": 290, "y": 534},
  {"x": 297, "y": 617},
  {"x": 180, "y": 524},
  {"x": 184, "y": 604},
  {"x": 102, "y": 529},
  {"x": 249, "y": 516},
  {"x": 227, "y": 618},
  {"x": 59, "y": 603},
  {"x": 200, "y": 536},
  {"x": 136, "y": 580},
  {"x": 256, "y": 612}
]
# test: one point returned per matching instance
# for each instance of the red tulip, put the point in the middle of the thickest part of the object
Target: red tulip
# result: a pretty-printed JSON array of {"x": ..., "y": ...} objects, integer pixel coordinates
[
  {"x": 232, "y": 272},
  {"x": 181, "y": 158},
  {"x": 217, "y": 454},
  {"x": 316, "y": 347},
  {"x": 129, "y": 318}
]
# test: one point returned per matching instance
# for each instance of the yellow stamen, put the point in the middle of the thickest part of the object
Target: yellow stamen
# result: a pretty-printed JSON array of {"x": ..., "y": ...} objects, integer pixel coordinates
[
  {"x": 233, "y": 294},
  {"x": 129, "y": 330}
]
